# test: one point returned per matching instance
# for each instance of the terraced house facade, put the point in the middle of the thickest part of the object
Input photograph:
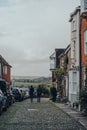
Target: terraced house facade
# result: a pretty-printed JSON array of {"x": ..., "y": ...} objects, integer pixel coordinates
[
  {"x": 5, "y": 70},
  {"x": 74, "y": 79}
]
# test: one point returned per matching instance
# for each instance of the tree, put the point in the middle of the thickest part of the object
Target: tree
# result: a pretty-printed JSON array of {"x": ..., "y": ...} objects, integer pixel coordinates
[
  {"x": 59, "y": 72},
  {"x": 83, "y": 96},
  {"x": 66, "y": 62}
]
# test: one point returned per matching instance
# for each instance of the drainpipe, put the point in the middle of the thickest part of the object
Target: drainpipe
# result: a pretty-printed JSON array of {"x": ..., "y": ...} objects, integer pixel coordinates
[{"x": 80, "y": 61}]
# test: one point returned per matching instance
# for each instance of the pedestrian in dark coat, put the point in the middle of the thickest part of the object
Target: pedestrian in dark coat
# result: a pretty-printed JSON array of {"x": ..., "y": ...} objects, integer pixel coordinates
[
  {"x": 51, "y": 93},
  {"x": 31, "y": 92},
  {"x": 39, "y": 92},
  {"x": 54, "y": 93}
]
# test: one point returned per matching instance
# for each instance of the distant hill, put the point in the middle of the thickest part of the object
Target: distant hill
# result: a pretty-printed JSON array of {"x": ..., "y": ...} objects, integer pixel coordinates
[
  {"x": 35, "y": 79},
  {"x": 24, "y": 77},
  {"x": 42, "y": 79}
]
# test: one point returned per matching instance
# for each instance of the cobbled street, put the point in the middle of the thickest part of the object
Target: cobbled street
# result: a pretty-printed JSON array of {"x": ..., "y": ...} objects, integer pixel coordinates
[{"x": 37, "y": 116}]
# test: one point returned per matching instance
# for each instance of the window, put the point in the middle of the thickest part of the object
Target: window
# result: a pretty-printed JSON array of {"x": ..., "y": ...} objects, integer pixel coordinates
[
  {"x": 5, "y": 69},
  {"x": 74, "y": 49},
  {"x": 85, "y": 42},
  {"x": 52, "y": 63},
  {"x": 73, "y": 25},
  {"x": 74, "y": 55},
  {"x": 74, "y": 81}
]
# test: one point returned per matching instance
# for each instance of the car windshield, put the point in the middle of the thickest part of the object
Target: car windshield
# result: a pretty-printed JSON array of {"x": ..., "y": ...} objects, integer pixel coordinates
[{"x": 3, "y": 86}]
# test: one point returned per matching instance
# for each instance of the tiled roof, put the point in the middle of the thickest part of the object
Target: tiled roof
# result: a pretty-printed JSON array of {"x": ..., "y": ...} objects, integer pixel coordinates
[{"x": 4, "y": 61}]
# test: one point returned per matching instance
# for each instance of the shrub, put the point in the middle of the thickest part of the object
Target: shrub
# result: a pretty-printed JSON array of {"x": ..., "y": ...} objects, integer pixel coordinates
[{"x": 83, "y": 96}]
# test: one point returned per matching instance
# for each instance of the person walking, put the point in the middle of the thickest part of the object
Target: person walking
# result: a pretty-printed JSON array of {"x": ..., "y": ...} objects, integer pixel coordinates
[
  {"x": 39, "y": 92},
  {"x": 31, "y": 92},
  {"x": 54, "y": 93}
]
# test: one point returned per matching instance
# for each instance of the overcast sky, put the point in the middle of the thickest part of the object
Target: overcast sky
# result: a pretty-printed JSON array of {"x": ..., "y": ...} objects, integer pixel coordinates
[{"x": 30, "y": 30}]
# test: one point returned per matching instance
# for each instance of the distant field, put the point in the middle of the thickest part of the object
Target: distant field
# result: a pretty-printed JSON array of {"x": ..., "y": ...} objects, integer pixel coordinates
[
  {"x": 25, "y": 84},
  {"x": 28, "y": 84},
  {"x": 25, "y": 81}
]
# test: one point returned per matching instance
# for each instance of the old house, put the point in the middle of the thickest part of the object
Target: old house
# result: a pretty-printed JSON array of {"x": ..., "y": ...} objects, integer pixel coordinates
[
  {"x": 5, "y": 70},
  {"x": 55, "y": 63},
  {"x": 73, "y": 59},
  {"x": 78, "y": 20},
  {"x": 74, "y": 81},
  {"x": 67, "y": 65}
]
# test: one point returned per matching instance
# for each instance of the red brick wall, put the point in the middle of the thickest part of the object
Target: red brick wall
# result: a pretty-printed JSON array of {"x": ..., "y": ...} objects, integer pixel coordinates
[
  {"x": 83, "y": 55},
  {"x": 83, "y": 28},
  {"x": 7, "y": 76}
]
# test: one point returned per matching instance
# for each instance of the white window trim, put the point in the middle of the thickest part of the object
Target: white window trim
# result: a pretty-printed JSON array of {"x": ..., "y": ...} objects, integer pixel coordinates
[{"x": 74, "y": 81}]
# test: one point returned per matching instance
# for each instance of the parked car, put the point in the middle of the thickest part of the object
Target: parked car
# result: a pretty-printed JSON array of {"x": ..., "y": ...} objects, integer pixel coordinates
[
  {"x": 5, "y": 91},
  {"x": 22, "y": 93},
  {"x": 26, "y": 94},
  {"x": 26, "y": 91},
  {"x": 3, "y": 102},
  {"x": 17, "y": 93},
  {"x": 13, "y": 97},
  {"x": 3, "y": 85},
  {"x": 10, "y": 97}
]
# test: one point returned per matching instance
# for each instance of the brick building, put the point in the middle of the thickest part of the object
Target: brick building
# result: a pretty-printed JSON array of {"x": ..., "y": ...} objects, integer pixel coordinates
[{"x": 5, "y": 70}]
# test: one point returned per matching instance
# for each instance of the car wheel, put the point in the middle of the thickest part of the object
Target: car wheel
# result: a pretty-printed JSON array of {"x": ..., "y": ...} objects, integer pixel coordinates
[{"x": 5, "y": 109}]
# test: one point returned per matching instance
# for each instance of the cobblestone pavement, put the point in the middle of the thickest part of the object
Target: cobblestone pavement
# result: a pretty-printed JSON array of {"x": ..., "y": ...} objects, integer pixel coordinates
[
  {"x": 37, "y": 116},
  {"x": 73, "y": 113}
]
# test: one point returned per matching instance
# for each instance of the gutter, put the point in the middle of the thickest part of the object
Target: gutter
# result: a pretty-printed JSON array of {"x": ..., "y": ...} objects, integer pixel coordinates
[{"x": 80, "y": 65}]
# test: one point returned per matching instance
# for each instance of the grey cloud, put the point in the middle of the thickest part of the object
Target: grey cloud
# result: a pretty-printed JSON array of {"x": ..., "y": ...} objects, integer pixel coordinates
[
  {"x": 41, "y": 69},
  {"x": 30, "y": 30},
  {"x": 3, "y": 34},
  {"x": 6, "y": 3}
]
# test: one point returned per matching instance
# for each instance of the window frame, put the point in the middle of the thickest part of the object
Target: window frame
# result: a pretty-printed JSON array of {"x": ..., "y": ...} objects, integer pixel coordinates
[
  {"x": 85, "y": 42},
  {"x": 74, "y": 81},
  {"x": 73, "y": 25},
  {"x": 5, "y": 70}
]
